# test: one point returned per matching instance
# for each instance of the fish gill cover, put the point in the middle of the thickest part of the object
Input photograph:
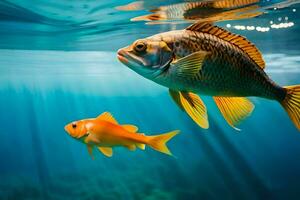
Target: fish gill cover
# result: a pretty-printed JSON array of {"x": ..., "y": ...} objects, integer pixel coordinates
[{"x": 58, "y": 64}]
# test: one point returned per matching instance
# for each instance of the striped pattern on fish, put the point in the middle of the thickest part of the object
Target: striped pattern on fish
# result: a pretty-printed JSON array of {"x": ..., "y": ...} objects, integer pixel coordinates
[{"x": 206, "y": 59}]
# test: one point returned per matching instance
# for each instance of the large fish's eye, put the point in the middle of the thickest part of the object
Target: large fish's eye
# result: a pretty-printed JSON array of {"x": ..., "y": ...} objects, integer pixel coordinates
[
  {"x": 140, "y": 46},
  {"x": 74, "y": 125}
]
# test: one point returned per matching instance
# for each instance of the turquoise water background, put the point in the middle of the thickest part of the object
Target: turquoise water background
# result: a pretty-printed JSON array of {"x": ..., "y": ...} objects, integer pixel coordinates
[{"x": 58, "y": 64}]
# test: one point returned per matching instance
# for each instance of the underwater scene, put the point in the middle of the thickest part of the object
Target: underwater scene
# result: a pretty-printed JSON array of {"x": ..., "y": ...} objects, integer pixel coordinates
[{"x": 151, "y": 100}]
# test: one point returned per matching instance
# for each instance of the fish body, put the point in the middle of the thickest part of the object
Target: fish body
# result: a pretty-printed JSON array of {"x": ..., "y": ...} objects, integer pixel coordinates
[
  {"x": 226, "y": 70},
  {"x": 105, "y": 133},
  {"x": 205, "y": 59}
]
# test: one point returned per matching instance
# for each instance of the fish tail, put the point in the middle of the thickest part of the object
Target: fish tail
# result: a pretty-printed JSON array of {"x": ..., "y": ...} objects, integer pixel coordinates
[
  {"x": 158, "y": 142},
  {"x": 291, "y": 103}
]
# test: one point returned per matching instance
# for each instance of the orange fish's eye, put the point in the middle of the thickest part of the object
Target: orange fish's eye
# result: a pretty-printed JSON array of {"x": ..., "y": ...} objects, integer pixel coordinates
[
  {"x": 74, "y": 125},
  {"x": 140, "y": 46}
]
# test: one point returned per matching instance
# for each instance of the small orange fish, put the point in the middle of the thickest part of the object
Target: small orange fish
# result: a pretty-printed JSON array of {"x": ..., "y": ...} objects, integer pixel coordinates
[{"x": 104, "y": 132}]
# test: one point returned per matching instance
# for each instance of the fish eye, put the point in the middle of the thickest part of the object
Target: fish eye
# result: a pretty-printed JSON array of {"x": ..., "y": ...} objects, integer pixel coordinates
[
  {"x": 140, "y": 46},
  {"x": 74, "y": 125}
]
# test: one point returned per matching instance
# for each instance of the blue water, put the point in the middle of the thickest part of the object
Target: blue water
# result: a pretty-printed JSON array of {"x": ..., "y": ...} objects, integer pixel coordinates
[{"x": 58, "y": 64}]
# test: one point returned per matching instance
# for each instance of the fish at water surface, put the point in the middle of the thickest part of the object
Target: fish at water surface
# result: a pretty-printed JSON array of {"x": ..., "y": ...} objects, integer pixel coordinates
[
  {"x": 104, "y": 132},
  {"x": 206, "y": 59},
  {"x": 201, "y": 10}
]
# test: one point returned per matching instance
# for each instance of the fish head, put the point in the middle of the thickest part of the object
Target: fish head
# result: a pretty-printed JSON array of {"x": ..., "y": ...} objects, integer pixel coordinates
[
  {"x": 148, "y": 57},
  {"x": 77, "y": 129}
]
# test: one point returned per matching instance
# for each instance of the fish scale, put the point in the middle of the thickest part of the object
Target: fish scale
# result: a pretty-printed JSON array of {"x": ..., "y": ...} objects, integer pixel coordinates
[
  {"x": 227, "y": 71},
  {"x": 206, "y": 59}
]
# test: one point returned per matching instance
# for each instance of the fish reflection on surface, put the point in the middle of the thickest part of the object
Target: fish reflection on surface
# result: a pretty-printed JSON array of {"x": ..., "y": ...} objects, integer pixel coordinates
[
  {"x": 136, "y": 5},
  {"x": 200, "y": 10}
]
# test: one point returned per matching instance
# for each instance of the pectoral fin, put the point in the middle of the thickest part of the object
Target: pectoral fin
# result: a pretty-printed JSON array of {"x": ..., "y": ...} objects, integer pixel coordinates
[
  {"x": 107, "y": 151},
  {"x": 193, "y": 106},
  {"x": 130, "y": 128},
  {"x": 90, "y": 150},
  {"x": 190, "y": 65},
  {"x": 234, "y": 109},
  {"x": 91, "y": 138}
]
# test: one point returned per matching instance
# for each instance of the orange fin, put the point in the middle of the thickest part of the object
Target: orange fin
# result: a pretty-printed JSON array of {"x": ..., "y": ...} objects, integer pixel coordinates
[
  {"x": 190, "y": 65},
  {"x": 141, "y": 146},
  {"x": 130, "y": 128},
  {"x": 291, "y": 104},
  {"x": 106, "y": 116},
  {"x": 193, "y": 106},
  {"x": 236, "y": 40},
  {"x": 158, "y": 142},
  {"x": 234, "y": 109},
  {"x": 131, "y": 147},
  {"x": 136, "y": 5},
  {"x": 107, "y": 151},
  {"x": 91, "y": 138},
  {"x": 90, "y": 150},
  {"x": 150, "y": 17}
]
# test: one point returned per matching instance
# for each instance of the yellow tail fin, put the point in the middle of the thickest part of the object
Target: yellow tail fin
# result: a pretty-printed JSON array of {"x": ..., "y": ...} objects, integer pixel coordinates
[
  {"x": 158, "y": 142},
  {"x": 291, "y": 103}
]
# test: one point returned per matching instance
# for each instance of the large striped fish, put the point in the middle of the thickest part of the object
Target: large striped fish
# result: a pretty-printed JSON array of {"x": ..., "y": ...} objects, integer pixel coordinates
[{"x": 205, "y": 59}]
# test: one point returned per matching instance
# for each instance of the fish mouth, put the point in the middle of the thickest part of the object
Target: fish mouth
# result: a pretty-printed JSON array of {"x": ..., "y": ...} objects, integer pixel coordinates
[
  {"x": 129, "y": 59},
  {"x": 66, "y": 128},
  {"x": 121, "y": 56}
]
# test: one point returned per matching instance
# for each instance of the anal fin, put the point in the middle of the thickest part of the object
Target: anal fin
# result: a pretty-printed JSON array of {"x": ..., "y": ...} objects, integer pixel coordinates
[
  {"x": 234, "y": 109},
  {"x": 141, "y": 146}
]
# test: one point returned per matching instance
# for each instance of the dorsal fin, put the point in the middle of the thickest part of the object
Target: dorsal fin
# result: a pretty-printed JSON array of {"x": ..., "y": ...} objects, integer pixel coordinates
[
  {"x": 233, "y": 3},
  {"x": 236, "y": 40},
  {"x": 106, "y": 116}
]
